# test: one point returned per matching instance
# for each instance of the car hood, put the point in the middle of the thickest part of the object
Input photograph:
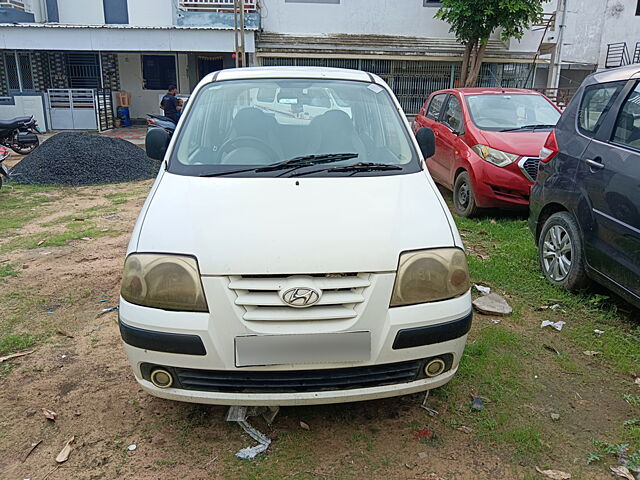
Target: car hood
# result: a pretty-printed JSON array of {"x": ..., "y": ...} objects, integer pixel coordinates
[
  {"x": 526, "y": 144},
  {"x": 287, "y": 225}
]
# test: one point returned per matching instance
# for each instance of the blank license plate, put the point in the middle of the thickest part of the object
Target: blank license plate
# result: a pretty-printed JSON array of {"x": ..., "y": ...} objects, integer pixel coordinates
[{"x": 258, "y": 350}]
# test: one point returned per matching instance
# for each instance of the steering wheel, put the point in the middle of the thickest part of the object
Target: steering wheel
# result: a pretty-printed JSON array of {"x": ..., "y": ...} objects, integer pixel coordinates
[{"x": 250, "y": 142}]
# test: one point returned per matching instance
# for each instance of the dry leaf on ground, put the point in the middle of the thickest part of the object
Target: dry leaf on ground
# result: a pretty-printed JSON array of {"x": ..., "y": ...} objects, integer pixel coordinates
[
  {"x": 554, "y": 474},
  {"x": 50, "y": 414},
  {"x": 622, "y": 472},
  {"x": 63, "y": 456},
  {"x": 304, "y": 426}
]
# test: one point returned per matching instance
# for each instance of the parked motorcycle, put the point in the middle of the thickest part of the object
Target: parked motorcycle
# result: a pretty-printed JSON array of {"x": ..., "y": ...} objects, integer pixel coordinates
[
  {"x": 160, "y": 121},
  {"x": 20, "y": 134},
  {"x": 4, "y": 171}
]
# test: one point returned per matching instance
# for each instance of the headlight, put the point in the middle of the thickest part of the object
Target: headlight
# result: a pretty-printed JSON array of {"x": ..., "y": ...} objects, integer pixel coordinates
[
  {"x": 170, "y": 282},
  {"x": 497, "y": 157},
  {"x": 429, "y": 276}
]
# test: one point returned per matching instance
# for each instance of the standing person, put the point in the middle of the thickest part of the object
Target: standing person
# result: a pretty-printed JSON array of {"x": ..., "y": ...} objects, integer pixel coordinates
[{"x": 170, "y": 104}]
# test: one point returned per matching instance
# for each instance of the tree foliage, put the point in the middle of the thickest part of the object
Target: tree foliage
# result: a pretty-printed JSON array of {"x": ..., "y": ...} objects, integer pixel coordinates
[{"x": 473, "y": 22}]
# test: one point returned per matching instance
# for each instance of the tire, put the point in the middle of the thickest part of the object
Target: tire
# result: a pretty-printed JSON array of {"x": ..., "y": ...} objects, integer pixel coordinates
[
  {"x": 25, "y": 150},
  {"x": 561, "y": 252},
  {"x": 464, "y": 201}
]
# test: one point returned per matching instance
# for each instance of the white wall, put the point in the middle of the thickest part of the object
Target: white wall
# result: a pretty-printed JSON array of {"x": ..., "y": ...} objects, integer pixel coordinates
[
  {"x": 142, "y": 101},
  {"x": 146, "y": 101},
  {"x": 375, "y": 17},
  {"x": 26, "y": 105},
  {"x": 584, "y": 31},
  {"x": 81, "y": 12},
  {"x": 620, "y": 24},
  {"x": 150, "y": 12}
]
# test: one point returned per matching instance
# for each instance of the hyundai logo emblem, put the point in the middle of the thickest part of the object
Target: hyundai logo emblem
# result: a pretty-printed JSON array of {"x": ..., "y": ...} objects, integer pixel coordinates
[{"x": 301, "y": 297}]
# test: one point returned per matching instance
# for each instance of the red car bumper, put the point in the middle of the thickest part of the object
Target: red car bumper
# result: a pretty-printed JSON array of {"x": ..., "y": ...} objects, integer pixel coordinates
[{"x": 499, "y": 186}]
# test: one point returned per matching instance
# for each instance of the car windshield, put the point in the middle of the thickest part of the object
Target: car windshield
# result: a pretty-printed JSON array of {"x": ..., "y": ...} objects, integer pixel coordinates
[
  {"x": 503, "y": 112},
  {"x": 246, "y": 127}
]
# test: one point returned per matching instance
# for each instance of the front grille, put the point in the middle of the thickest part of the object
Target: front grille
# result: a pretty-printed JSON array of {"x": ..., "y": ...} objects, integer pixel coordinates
[
  {"x": 529, "y": 167},
  {"x": 259, "y": 296},
  {"x": 296, "y": 380}
]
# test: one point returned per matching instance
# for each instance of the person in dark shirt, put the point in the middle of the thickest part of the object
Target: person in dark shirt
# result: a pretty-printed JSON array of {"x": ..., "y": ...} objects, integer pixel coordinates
[{"x": 170, "y": 104}]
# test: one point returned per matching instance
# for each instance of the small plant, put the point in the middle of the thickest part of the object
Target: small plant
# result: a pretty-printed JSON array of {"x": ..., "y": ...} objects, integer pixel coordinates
[
  {"x": 631, "y": 399},
  {"x": 626, "y": 457}
]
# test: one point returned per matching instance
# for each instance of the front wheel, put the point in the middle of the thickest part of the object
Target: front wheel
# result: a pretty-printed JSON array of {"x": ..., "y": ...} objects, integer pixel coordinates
[
  {"x": 561, "y": 253},
  {"x": 25, "y": 149},
  {"x": 464, "y": 201}
]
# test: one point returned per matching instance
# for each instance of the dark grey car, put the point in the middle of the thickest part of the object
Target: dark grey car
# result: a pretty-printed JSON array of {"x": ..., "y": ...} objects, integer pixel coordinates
[{"x": 585, "y": 204}]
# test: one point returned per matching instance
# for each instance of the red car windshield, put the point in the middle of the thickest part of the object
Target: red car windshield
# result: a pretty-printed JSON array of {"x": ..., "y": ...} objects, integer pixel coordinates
[{"x": 510, "y": 112}]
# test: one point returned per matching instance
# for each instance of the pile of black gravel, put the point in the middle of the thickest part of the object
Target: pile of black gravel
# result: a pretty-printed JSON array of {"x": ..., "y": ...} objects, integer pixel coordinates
[{"x": 71, "y": 158}]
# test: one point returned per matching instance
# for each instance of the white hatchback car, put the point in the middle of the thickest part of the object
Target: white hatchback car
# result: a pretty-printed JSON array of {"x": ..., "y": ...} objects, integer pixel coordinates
[{"x": 293, "y": 254}]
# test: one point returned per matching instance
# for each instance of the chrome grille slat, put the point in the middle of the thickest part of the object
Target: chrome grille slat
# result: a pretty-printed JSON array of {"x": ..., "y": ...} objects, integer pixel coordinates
[
  {"x": 272, "y": 299},
  {"x": 260, "y": 296},
  {"x": 276, "y": 283},
  {"x": 283, "y": 314}
]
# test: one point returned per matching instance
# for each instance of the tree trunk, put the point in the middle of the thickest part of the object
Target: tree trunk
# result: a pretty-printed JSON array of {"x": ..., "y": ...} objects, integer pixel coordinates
[
  {"x": 465, "y": 64},
  {"x": 477, "y": 63}
]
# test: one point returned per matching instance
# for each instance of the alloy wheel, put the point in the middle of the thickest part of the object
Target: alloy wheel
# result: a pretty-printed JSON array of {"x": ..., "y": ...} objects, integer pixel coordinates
[{"x": 557, "y": 252}]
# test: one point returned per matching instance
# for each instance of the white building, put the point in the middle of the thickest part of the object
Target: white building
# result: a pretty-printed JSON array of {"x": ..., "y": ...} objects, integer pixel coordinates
[{"x": 57, "y": 48}]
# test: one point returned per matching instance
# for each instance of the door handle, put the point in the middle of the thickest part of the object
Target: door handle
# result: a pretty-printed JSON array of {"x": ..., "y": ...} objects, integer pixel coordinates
[{"x": 595, "y": 164}]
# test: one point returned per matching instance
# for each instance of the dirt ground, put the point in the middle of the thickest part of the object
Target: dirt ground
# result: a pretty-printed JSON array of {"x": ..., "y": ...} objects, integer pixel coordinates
[{"x": 80, "y": 371}]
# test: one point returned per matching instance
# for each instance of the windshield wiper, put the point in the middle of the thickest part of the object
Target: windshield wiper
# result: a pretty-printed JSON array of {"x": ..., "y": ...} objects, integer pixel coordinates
[
  {"x": 355, "y": 168},
  {"x": 526, "y": 127},
  {"x": 293, "y": 163}
]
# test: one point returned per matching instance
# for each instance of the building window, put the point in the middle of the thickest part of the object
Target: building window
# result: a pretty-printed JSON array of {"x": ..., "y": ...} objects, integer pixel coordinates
[
  {"x": 19, "y": 73},
  {"x": 158, "y": 71},
  {"x": 115, "y": 11},
  {"x": 83, "y": 70},
  {"x": 638, "y": 8},
  {"x": 431, "y": 3},
  {"x": 334, "y": 2}
]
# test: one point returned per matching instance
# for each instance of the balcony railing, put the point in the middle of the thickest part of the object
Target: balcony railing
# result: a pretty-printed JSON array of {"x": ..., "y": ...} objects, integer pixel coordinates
[
  {"x": 215, "y": 5},
  {"x": 16, "y": 4}
]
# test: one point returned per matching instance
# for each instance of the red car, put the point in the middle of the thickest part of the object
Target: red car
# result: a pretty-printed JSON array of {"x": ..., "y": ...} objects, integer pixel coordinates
[{"x": 488, "y": 141}]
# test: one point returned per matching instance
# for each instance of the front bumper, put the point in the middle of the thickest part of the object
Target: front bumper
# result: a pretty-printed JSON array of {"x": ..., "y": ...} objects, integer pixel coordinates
[
  {"x": 499, "y": 186},
  {"x": 398, "y": 334},
  {"x": 297, "y": 398}
]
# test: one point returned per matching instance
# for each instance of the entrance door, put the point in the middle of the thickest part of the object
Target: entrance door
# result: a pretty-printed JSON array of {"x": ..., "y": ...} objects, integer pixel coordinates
[{"x": 207, "y": 64}]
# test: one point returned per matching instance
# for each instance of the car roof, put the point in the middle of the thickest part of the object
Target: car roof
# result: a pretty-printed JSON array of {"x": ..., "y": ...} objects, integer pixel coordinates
[
  {"x": 292, "y": 72},
  {"x": 615, "y": 74},
  {"x": 489, "y": 91}
]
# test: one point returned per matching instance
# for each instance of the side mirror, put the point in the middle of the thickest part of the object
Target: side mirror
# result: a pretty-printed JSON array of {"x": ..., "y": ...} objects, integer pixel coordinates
[
  {"x": 427, "y": 141},
  {"x": 156, "y": 143}
]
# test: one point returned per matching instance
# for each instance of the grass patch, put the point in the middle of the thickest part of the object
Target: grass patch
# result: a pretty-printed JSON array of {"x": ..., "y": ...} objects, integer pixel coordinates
[
  {"x": 503, "y": 254},
  {"x": 493, "y": 367},
  {"x": 7, "y": 270},
  {"x": 13, "y": 343},
  {"x": 21, "y": 203},
  {"x": 73, "y": 231}
]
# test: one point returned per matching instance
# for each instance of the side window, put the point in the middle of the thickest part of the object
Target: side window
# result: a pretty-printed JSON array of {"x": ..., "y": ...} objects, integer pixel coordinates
[
  {"x": 433, "y": 112},
  {"x": 627, "y": 129},
  {"x": 453, "y": 114},
  {"x": 596, "y": 102}
]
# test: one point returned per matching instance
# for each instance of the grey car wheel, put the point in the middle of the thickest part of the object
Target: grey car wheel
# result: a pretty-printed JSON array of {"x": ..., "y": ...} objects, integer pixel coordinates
[
  {"x": 557, "y": 252},
  {"x": 561, "y": 253}
]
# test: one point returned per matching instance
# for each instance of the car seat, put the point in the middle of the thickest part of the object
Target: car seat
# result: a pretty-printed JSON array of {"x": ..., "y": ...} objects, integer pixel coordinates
[{"x": 333, "y": 132}]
